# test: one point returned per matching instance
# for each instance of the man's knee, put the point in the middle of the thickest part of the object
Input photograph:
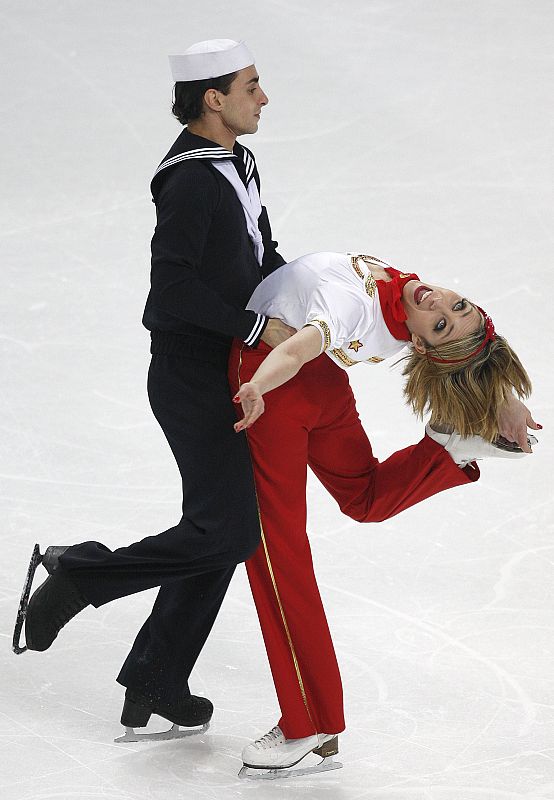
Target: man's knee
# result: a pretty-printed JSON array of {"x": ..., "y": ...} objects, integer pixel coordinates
[
  {"x": 234, "y": 535},
  {"x": 248, "y": 540}
]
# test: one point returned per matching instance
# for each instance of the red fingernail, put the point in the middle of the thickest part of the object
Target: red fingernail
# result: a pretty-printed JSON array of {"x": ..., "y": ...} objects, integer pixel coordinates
[{"x": 539, "y": 426}]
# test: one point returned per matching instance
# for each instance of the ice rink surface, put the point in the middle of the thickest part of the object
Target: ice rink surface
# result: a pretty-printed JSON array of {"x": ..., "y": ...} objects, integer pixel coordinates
[{"x": 416, "y": 130}]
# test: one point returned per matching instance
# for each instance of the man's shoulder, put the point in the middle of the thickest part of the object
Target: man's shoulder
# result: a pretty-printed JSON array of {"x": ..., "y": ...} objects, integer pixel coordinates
[
  {"x": 190, "y": 147},
  {"x": 189, "y": 158},
  {"x": 192, "y": 178}
]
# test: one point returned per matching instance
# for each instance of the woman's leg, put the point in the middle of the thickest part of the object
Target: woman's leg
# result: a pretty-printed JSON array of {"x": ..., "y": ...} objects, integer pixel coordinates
[
  {"x": 281, "y": 574},
  {"x": 367, "y": 490}
]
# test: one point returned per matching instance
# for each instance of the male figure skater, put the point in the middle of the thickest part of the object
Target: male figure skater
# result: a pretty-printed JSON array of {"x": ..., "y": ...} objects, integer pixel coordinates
[{"x": 211, "y": 247}]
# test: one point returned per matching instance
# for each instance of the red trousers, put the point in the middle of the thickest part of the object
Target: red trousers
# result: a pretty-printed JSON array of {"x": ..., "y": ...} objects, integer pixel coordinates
[{"x": 312, "y": 420}]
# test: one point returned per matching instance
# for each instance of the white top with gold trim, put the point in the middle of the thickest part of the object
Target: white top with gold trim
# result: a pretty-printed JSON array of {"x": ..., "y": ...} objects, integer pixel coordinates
[{"x": 337, "y": 294}]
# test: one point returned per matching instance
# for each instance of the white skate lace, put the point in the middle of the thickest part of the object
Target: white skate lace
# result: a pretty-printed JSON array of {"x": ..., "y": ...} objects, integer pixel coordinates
[{"x": 275, "y": 736}]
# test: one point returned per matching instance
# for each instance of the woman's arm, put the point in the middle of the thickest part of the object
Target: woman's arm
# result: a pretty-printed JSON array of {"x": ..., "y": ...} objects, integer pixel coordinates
[{"x": 280, "y": 366}]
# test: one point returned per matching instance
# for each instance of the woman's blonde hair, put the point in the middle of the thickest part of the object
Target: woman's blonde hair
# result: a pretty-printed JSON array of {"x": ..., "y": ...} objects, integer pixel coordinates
[{"x": 466, "y": 395}]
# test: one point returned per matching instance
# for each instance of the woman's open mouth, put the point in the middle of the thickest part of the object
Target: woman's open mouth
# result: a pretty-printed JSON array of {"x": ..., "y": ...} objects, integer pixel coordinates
[{"x": 420, "y": 293}]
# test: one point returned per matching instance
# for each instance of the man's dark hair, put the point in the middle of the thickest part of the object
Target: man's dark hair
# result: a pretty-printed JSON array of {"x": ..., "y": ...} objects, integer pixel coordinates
[{"x": 189, "y": 96}]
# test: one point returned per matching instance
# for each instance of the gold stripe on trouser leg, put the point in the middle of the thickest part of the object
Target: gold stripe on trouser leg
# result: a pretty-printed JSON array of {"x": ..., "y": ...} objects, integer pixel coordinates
[{"x": 278, "y": 598}]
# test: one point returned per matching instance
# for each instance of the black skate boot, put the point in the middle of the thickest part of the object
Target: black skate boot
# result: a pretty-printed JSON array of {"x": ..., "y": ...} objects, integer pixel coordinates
[
  {"x": 51, "y": 563},
  {"x": 191, "y": 712},
  {"x": 53, "y": 604}
]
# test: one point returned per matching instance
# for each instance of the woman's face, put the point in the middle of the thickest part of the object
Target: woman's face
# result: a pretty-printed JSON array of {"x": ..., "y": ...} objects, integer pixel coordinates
[{"x": 437, "y": 315}]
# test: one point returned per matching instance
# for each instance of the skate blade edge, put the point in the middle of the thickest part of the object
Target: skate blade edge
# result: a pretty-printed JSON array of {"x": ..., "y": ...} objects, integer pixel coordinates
[
  {"x": 36, "y": 559},
  {"x": 271, "y": 774},
  {"x": 175, "y": 732}
]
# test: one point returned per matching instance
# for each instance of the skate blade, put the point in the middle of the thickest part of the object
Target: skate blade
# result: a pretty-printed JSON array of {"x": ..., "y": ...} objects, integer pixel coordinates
[
  {"x": 36, "y": 559},
  {"x": 264, "y": 774},
  {"x": 511, "y": 447},
  {"x": 175, "y": 732}
]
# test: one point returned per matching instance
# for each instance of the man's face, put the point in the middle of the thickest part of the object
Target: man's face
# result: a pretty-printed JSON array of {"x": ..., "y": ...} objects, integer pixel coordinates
[{"x": 241, "y": 108}]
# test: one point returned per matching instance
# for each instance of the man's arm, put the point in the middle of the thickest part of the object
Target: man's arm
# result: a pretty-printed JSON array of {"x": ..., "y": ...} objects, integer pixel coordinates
[
  {"x": 272, "y": 260},
  {"x": 185, "y": 207}
]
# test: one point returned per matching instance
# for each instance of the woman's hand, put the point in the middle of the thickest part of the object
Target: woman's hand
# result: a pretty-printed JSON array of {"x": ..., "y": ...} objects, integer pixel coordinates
[
  {"x": 252, "y": 405},
  {"x": 513, "y": 420},
  {"x": 277, "y": 368}
]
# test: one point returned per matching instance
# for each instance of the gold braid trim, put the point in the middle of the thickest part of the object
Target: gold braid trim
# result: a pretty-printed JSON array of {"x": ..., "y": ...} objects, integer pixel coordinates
[
  {"x": 341, "y": 355},
  {"x": 370, "y": 285},
  {"x": 371, "y": 260},
  {"x": 325, "y": 330},
  {"x": 369, "y": 281},
  {"x": 349, "y": 362},
  {"x": 278, "y": 598},
  {"x": 356, "y": 266},
  {"x": 286, "y": 627}
]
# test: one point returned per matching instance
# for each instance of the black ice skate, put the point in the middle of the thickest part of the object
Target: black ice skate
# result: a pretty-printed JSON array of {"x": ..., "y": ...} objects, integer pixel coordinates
[
  {"x": 192, "y": 712},
  {"x": 53, "y": 604}
]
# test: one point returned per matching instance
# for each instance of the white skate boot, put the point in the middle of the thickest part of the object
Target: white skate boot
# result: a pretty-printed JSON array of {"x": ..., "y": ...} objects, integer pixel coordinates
[
  {"x": 473, "y": 448},
  {"x": 276, "y": 755}
]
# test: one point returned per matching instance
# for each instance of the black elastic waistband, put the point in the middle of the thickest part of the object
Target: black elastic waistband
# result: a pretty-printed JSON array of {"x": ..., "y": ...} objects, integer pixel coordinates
[{"x": 187, "y": 346}]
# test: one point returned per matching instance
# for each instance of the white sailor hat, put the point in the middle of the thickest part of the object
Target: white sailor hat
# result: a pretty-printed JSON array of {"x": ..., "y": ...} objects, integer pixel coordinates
[{"x": 210, "y": 59}]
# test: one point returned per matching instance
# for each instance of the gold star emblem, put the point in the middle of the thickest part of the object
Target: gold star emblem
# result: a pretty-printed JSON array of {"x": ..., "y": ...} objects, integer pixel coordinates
[
  {"x": 404, "y": 274},
  {"x": 355, "y": 345}
]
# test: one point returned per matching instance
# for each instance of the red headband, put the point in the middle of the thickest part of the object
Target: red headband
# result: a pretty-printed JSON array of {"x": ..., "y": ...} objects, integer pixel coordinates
[{"x": 490, "y": 334}]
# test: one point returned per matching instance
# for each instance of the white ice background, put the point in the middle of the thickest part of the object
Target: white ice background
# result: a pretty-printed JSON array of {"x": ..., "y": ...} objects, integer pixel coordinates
[{"x": 416, "y": 130}]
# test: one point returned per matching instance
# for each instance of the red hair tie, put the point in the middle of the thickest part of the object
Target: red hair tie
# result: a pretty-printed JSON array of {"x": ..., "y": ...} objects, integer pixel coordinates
[{"x": 490, "y": 334}]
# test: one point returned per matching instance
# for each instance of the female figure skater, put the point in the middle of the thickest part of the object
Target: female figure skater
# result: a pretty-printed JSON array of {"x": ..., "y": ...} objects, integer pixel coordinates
[{"x": 348, "y": 310}]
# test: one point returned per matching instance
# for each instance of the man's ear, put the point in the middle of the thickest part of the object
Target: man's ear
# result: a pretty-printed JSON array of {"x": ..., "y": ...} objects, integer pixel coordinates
[
  {"x": 419, "y": 344},
  {"x": 212, "y": 99}
]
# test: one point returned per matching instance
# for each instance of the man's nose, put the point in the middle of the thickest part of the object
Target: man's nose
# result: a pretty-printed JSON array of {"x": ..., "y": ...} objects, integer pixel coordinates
[{"x": 265, "y": 99}]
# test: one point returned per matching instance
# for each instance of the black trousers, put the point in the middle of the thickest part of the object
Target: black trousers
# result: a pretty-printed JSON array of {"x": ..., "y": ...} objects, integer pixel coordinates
[{"x": 194, "y": 561}]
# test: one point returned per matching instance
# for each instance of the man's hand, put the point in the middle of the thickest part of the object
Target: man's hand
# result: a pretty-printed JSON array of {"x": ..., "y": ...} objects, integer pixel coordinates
[
  {"x": 277, "y": 332},
  {"x": 513, "y": 420}
]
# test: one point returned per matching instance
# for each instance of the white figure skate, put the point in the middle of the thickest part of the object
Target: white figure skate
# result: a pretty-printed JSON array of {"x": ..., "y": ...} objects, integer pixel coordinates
[
  {"x": 273, "y": 756},
  {"x": 473, "y": 448}
]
